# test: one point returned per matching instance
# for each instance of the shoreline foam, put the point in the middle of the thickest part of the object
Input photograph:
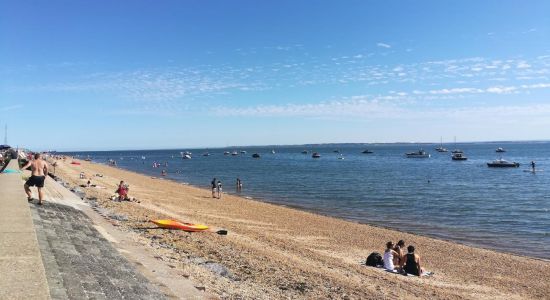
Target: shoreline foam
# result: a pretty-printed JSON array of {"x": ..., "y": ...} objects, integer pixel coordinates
[{"x": 309, "y": 255}]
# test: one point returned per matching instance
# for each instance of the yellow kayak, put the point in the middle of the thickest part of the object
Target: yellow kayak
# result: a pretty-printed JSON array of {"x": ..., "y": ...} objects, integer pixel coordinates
[{"x": 172, "y": 224}]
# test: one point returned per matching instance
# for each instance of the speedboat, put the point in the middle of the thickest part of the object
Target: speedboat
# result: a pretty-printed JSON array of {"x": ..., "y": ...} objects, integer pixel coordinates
[
  {"x": 186, "y": 156},
  {"x": 234, "y": 153},
  {"x": 367, "y": 151},
  {"x": 459, "y": 156},
  {"x": 418, "y": 154},
  {"x": 316, "y": 155},
  {"x": 499, "y": 149},
  {"x": 256, "y": 155},
  {"x": 502, "y": 163}
]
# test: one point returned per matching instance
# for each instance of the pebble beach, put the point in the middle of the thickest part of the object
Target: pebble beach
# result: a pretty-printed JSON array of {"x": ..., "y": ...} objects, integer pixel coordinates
[{"x": 274, "y": 252}]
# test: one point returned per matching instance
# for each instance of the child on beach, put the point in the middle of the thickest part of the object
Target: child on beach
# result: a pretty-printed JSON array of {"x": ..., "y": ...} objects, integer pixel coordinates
[
  {"x": 122, "y": 191},
  {"x": 219, "y": 189}
]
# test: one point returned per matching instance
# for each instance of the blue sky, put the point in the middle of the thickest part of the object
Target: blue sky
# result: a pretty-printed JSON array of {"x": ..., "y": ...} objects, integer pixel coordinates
[{"x": 171, "y": 74}]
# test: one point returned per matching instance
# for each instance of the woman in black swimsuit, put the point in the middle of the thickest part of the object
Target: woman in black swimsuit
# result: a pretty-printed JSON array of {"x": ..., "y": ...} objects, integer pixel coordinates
[{"x": 412, "y": 262}]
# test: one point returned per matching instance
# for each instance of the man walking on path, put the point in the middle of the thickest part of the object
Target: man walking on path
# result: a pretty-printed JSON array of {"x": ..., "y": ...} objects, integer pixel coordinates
[{"x": 39, "y": 170}]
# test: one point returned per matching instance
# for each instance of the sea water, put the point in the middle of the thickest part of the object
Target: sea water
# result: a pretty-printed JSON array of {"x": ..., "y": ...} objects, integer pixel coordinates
[{"x": 505, "y": 209}]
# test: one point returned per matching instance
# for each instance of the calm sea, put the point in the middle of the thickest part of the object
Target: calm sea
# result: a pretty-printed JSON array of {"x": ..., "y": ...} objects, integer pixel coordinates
[{"x": 463, "y": 201}]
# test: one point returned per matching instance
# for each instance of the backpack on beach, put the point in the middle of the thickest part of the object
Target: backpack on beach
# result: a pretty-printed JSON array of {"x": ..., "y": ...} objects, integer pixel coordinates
[{"x": 374, "y": 260}]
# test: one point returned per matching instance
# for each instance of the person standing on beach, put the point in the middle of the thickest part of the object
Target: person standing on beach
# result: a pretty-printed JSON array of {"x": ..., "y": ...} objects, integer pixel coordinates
[
  {"x": 214, "y": 186},
  {"x": 219, "y": 189},
  {"x": 39, "y": 169}
]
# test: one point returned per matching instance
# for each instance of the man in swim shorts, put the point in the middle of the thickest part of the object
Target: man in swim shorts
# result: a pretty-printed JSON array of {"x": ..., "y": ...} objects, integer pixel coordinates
[{"x": 39, "y": 170}]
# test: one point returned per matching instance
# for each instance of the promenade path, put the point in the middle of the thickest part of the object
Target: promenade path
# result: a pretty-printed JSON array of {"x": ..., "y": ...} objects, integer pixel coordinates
[
  {"x": 55, "y": 251},
  {"x": 21, "y": 268}
]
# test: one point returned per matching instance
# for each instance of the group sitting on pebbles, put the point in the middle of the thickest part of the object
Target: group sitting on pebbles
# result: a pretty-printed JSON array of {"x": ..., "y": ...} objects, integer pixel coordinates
[{"x": 395, "y": 260}]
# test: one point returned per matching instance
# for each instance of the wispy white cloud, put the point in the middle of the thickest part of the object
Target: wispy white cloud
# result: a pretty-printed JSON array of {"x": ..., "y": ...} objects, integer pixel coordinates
[
  {"x": 383, "y": 45},
  {"x": 11, "y": 107}
]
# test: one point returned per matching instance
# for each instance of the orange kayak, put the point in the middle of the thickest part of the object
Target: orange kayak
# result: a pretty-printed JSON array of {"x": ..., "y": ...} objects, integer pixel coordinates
[{"x": 171, "y": 224}]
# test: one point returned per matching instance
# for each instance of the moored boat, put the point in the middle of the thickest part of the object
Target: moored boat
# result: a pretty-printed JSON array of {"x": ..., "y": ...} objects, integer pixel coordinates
[
  {"x": 502, "y": 163},
  {"x": 441, "y": 148},
  {"x": 256, "y": 155},
  {"x": 500, "y": 150},
  {"x": 459, "y": 156},
  {"x": 418, "y": 154},
  {"x": 367, "y": 151},
  {"x": 316, "y": 155},
  {"x": 304, "y": 152}
]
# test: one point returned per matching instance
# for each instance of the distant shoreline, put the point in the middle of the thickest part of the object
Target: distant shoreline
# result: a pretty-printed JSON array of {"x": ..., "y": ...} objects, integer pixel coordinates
[{"x": 309, "y": 145}]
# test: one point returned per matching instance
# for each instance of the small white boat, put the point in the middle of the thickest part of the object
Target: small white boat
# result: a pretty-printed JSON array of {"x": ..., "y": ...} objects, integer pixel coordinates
[
  {"x": 243, "y": 152},
  {"x": 418, "y": 154},
  {"x": 441, "y": 148},
  {"x": 499, "y": 149},
  {"x": 186, "y": 156},
  {"x": 272, "y": 151},
  {"x": 226, "y": 153},
  {"x": 234, "y": 153}
]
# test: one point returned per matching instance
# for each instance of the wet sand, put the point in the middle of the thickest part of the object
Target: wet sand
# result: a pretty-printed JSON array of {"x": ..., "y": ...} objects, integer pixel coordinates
[{"x": 274, "y": 252}]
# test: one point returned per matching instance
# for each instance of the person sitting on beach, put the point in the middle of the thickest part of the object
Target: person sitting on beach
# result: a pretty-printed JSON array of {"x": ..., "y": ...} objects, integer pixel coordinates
[
  {"x": 122, "y": 191},
  {"x": 390, "y": 257},
  {"x": 412, "y": 262},
  {"x": 400, "y": 249}
]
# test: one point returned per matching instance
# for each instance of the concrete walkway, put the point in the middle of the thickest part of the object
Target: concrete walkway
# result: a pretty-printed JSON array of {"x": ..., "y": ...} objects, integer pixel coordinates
[
  {"x": 55, "y": 251},
  {"x": 21, "y": 268}
]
